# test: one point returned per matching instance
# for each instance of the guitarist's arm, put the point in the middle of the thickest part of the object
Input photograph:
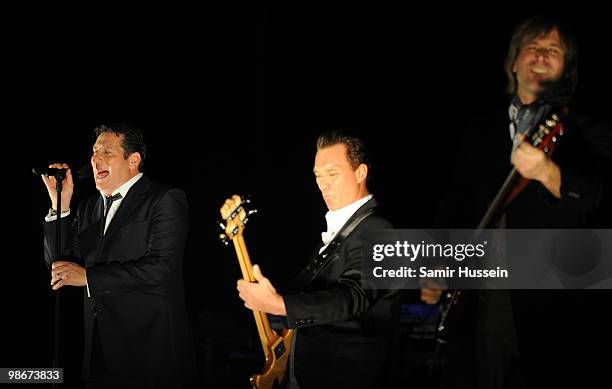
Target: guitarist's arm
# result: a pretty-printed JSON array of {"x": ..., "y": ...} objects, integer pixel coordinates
[
  {"x": 261, "y": 295},
  {"x": 337, "y": 304},
  {"x": 344, "y": 298},
  {"x": 533, "y": 164},
  {"x": 584, "y": 165},
  {"x": 343, "y": 301}
]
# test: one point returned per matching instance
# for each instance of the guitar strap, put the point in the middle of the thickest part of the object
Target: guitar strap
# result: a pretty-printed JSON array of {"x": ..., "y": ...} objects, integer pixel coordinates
[{"x": 323, "y": 259}]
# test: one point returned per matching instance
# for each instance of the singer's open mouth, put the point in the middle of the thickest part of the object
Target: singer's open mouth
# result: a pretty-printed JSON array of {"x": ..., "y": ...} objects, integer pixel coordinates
[{"x": 102, "y": 174}]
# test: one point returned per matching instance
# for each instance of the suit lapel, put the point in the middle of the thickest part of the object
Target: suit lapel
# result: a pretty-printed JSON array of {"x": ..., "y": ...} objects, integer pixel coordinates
[
  {"x": 320, "y": 260},
  {"x": 91, "y": 235},
  {"x": 128, "y": 205},
  {"x": 343, "y": 231}
]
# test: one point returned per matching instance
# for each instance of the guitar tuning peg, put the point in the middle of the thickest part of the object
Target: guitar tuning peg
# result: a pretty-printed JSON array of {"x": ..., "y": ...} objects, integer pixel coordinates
[
  {"x": 223, "y": 239},
  {"x": 221, "y": 225},
  {"x": 246, "y": 198},
  {"x": 248, "y": 214}
]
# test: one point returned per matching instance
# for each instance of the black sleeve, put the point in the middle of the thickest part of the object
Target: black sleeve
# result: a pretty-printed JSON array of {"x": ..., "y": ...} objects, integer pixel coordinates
[
  {"x": 345, "y": 299},
  {"x": 70, "y": 247},
  {"x": 585, "y": 168}
]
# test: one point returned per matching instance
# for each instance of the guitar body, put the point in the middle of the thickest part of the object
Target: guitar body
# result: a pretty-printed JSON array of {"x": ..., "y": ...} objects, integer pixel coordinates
[
  {"x": 274, "y": 368},
  {"x": 276, "y": 347}
]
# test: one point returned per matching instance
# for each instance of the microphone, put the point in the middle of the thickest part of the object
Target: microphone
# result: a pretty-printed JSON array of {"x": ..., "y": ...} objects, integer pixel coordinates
[
  {"x": 83, "y": 171},
  {"x": 48, "y": 171}
]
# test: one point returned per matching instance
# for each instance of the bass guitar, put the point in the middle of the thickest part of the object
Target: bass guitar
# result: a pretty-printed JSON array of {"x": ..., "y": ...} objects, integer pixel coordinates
[{"x": 276, "y": 346}]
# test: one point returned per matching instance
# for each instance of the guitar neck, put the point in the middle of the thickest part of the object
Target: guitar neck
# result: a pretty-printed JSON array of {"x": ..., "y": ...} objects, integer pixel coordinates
[
  {"x": 499, "y": 201},
  {"x": 266, "y": 334}
]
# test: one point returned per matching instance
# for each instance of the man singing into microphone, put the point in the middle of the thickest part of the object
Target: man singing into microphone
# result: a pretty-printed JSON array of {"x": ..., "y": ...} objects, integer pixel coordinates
[{"x": 125, "y": 248}]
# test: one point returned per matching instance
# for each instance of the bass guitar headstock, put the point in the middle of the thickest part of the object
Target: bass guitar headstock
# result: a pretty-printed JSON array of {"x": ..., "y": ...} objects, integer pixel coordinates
[{"x": 235, "y": 213}]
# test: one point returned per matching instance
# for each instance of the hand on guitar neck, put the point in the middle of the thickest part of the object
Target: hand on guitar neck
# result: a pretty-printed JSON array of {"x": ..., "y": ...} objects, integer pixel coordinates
[
  {"x": 261, "y": 295},
  {"x": 431, "y": 295},
  {"x": 431, "y": 290},
  {"x": 533, "y": 164}
]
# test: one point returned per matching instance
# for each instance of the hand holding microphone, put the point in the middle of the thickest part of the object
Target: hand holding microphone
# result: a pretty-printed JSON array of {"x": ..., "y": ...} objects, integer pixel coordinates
[{"x": 49, "y": 178}]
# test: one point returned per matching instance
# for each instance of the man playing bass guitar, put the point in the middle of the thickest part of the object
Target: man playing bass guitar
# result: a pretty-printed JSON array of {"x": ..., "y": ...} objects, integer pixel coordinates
[{"x": 341, "y": 328}]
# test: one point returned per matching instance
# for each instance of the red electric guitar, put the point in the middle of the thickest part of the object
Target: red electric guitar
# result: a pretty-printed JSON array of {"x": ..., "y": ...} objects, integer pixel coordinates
[{"x": 544, "y": 136}]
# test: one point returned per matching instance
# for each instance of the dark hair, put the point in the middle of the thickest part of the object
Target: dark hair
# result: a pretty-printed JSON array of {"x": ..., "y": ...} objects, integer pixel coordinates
[
  {"x": 355, "y": 147},
  {"x": 133, "y": 140},
  {"x": 532, "y": 28}
]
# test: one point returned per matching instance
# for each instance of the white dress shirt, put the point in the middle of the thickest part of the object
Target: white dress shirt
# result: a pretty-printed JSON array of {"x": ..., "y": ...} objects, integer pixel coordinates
[
  {"x": 123, "y": 189},
  {"x": 336, "y": 219}
]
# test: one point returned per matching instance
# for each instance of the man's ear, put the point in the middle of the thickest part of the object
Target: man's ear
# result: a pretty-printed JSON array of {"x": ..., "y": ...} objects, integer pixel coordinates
[
  {"x": 362, "y": 172},
  {"x": 134, "y": 160}
]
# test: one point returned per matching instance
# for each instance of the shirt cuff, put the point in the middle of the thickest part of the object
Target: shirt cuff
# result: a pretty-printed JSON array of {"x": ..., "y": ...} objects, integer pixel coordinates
[
  {"x": 87, "y": 285},
  {"x": 50, "y": 218}
]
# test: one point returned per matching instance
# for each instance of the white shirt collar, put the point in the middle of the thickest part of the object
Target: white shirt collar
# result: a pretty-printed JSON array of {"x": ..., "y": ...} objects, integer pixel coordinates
[
  {"x": 123, "y": 189},
  {"x": 336, "y": 219}
]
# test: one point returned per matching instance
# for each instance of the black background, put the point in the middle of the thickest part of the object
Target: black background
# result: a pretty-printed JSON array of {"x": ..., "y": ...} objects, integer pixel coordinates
[{"x": 232, "y": 100}]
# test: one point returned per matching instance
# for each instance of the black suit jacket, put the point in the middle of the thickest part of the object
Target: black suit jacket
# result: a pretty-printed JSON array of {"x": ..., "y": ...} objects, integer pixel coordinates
[
  {"x": 537, "y": 323},
  {"x": 343, "y": 328},
  {"x": 583, "y": 154},
  {"x": 134, "y": 273}
]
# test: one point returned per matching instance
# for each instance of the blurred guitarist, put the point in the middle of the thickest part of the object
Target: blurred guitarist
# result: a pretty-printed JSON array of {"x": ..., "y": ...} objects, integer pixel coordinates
[
  {"x": 527, "y": 339},
  {"x": 342, "y": 328}
]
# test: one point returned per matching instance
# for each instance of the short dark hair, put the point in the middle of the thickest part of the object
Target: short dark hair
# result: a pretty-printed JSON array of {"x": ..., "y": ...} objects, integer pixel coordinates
[
  {"x": 133, "y": 140},
  {"x": 355, "y": 147},
  {"x": 532, "y": 28}
]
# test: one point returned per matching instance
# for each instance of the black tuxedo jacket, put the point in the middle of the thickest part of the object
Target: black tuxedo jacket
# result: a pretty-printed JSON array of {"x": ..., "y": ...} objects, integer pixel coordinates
[
  {"x": 134, "y": 273},
  {"x": 343, "y": 328}
]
